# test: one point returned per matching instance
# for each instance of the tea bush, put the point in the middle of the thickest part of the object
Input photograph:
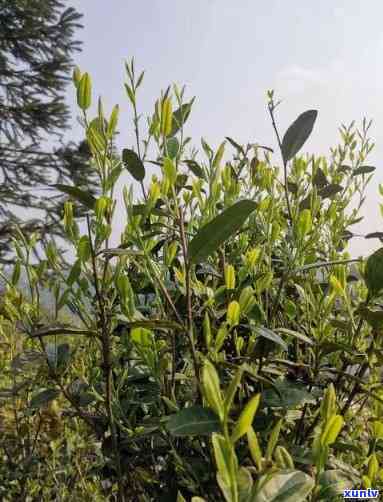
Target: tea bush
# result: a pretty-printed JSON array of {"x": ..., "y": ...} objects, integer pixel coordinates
[{"x": 228, "y": 349}]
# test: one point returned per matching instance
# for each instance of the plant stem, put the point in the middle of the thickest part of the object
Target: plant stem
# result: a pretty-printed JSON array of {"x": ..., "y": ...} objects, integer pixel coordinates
[
  {"x": 107, "y": 368},
  {"x": 189, "y": 300},
  {"x": 271, "y": 108}
]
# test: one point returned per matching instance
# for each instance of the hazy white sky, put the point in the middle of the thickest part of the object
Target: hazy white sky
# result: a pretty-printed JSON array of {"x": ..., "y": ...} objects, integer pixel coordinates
[{"x": 325, "y": 55}]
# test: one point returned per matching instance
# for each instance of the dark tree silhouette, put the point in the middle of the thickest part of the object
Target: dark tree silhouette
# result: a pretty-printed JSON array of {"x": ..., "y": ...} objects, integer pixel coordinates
[{"x": 37, "y": 42}]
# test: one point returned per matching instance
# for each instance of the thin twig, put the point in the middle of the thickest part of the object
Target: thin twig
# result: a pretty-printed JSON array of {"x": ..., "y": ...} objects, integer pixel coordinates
[{"x": 271, "y": 108}]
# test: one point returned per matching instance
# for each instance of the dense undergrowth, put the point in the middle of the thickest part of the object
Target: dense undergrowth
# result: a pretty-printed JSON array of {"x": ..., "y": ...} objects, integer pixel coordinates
[{"x": 228, "y": 349}]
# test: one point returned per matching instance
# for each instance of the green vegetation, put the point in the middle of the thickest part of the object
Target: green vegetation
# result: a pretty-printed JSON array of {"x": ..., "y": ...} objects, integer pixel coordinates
[{"x": 228, "y": 349}]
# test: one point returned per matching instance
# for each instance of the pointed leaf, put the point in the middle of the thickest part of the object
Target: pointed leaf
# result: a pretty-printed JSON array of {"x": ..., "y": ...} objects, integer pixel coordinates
[
  {"x": 363, "y": 170},
  {"x": 211, "y": 387},
  {"x": 133, "y": 164},
  {"x": 217, "y": 231},
  {"x": 332, "y": 429},
  {"x": 195, "y": 420},
  {"x": 373, "y": 274},
  {"x": 284, "y": 486},
  {"x": 330, "y": 190},
  {"x": 195, "y": 168},
  {"x": 270, "y": 335},
  {"x": 80, "y": 195},
  {"x": 180, "y": 116},
  {"x": 297, "y": 134},
  {"x": 84, "y": 92},
  {"x": 246, "y": 418},
  {"x": 320, "y": 179}
]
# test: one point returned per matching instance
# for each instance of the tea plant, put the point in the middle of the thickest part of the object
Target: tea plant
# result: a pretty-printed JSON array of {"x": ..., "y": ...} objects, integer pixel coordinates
[{"x": 228, "y": 349}]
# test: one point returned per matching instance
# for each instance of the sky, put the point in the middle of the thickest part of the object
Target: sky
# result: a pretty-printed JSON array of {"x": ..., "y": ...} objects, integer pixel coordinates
[{"x": 324, "y": 55}]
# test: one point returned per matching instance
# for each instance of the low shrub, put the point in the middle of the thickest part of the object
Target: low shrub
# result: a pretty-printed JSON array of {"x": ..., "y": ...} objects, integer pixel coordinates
[{"x": 228, "y": 349}]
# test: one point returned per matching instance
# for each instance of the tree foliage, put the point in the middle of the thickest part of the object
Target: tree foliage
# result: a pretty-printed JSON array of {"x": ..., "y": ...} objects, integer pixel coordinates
[{"x": 37, "y": 43}]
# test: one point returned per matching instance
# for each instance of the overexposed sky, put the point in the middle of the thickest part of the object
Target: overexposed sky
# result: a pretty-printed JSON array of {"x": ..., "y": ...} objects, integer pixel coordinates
[{"x": 326, "y": 55}]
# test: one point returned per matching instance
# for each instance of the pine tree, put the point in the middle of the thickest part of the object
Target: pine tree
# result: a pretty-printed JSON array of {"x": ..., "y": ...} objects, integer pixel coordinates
[{"x": 37, "y": 43}]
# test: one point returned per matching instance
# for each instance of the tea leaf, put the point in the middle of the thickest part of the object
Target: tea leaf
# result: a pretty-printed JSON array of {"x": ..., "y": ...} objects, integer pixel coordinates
[
  {"x": 43, "y": 398},
  {"x": 331, "y": 430},
  {"x": 373, "y": 274},
  {"x": 195, "y": 168},
  {"x": 297, "y": 134},
  {"x": 217, "y": 231},
  {"x": 84, "y": 92},
  {"x": 195, "y": 420},
  {"x": 330, "y": 190},
  {"x": 363, "y": 170},
  {"x": 270, "y": 335},
  {"x": 273, "y": 440},
  {"x": 211, "y": 387},
  {"x": 133, "y": 164},
  {"x": 180, "y": 116},
  {"x": 284, "y": 486},
  {"x": 246, "y": 418},
  {"x": 80, "y": 195}
]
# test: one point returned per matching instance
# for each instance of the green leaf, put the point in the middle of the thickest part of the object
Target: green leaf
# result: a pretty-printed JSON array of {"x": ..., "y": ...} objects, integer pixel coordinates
[
  {"x": 304, "y": 224},
  {"x": 245, "y": 484},
  {"x": 217, "y": 231},
  {"x": 291, "y": 396},
  {"x": 373, "y": 316},
  {"x": 246, "y": 418},
  {"x": 166, "y": 116},
  {"x": 80, "y": 195},
  {"x": 236, "y": 145},
  {"x": 195, "y": 168},
  {"x": 333, "y": 482},
  {"x": 363, "y": 170},
  {"x": 330, "y": 190},
  {"x": 332, "y": 429},
  {"x": 218, "y": 156},
  {"x": 113, "y": 121},
  {"x": 133, "y": 164},
  {"x": 273, "y": 440},
  {"x": 76, "y": 76},
  {"x": 141, "y": 209},
  {"x": 295, "y": 334},
  {"x": 297, "y": 134},
  {"x": 320, "y": 180},
  {"x": 211, "y": 387},
  {"x": 195, "y": 420},
  {"x": 284, "y": 486},
  {"x": 227, "y": 466},
  {"x": 233, "y": 313},
  {"x": 232, "y": 389},
  {"x": 374, "y": 235},
  {"x": 270, "y": 335},
  {"x": 43, "y": 398},
  {"x": 84, "y": 92},
  {"x": 255, "y": 450},
  {"x": 172, "y": 146},
  {"x": 373, "y": 274},
  {"x": 180, "y": 116}
]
